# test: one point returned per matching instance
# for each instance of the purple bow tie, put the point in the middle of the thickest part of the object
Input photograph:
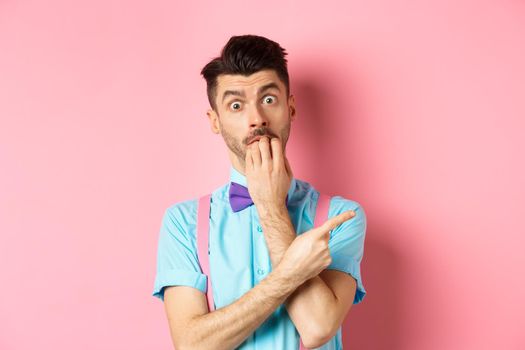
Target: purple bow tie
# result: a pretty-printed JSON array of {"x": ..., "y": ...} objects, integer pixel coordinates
[{"x": 240, "y": 197}]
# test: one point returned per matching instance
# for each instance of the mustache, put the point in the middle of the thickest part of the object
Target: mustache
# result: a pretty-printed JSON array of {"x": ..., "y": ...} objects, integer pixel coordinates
[{"x": 260, "y": 132}]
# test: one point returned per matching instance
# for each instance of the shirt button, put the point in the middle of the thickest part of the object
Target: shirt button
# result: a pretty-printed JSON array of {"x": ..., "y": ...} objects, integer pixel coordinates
[
  {"x": 260, "y": 271},
  {"x": 259, "y": 228}
]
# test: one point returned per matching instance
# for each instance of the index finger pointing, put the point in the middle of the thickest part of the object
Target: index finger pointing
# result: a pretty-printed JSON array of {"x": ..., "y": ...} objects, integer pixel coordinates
[{"x": 332, "y": 223}]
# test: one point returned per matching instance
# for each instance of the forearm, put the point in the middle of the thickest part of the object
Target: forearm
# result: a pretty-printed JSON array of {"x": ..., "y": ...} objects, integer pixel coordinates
[
  {"x": 229, "y": 326},
  {"x": 312, "y": 306},
  {"x": 313, "y": 309},
  {"x": 278, "y": 231}
]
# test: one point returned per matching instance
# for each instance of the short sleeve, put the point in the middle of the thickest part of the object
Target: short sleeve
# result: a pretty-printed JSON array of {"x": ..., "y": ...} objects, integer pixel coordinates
[
  {"x": 177, "y": 260},
  {"x": 346, "y": 242}
]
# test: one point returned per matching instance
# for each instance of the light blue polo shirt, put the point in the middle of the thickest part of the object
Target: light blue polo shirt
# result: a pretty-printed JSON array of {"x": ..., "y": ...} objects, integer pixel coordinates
[{"x": 239, "y": 258}]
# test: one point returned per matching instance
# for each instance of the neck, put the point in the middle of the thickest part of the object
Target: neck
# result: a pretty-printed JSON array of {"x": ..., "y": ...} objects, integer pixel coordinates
[
  {"x": 239, "y": 169},
  {"x": 237, "y": 164}
]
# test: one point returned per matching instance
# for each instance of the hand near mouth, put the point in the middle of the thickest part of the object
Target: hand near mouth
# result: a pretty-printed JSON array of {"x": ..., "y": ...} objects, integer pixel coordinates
[{"x": 268, "y": 174}]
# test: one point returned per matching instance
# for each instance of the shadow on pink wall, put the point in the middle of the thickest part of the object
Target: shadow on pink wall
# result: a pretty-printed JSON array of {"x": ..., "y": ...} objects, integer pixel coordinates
[
  {"x": 323, "y": 135},
  {"x": 377, "y": 322}
]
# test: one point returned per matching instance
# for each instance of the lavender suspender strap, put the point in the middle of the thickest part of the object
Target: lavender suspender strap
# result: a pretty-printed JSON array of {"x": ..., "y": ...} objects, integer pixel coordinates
[
  {"x": 203, "y": 228},
  {"x": 203, "y": 223}
]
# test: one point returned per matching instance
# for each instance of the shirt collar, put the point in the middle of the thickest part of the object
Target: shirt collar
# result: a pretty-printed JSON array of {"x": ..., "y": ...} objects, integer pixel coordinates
[{"x": 236, "y": 176}]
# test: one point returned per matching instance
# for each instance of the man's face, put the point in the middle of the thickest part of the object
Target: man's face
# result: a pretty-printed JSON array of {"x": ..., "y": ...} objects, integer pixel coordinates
[{"x": 249, "y": 107}]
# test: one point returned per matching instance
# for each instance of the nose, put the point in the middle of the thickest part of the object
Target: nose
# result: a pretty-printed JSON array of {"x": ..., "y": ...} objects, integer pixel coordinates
[{"x": 257, "y": 118}]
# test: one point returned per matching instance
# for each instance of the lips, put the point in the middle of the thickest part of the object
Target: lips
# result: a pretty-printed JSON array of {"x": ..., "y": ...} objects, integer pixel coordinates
[{"x": 257, "y": 138}]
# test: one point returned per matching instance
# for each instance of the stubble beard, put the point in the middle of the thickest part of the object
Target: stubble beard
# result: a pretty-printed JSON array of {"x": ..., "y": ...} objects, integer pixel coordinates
[{"x": 239, "y": 147}]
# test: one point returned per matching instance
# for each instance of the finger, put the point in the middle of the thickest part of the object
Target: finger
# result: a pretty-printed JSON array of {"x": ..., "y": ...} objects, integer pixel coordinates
[
  {"x": 256, "y": 155},
  {"x": 277, "y": 153},
  {"x": 288, "y": 167},
  {"x": 323, "y": 234},
  {"x": 248, "y": 160},
  {"x": 332, "y": 223},
  {"x": 264, "y": 148}
]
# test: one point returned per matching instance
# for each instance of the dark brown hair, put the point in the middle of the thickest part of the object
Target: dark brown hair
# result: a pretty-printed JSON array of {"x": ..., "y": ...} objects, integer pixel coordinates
[{"x": 245, "y": 55}]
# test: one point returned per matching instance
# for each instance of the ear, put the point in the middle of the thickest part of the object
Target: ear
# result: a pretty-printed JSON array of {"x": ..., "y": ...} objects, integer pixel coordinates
[
  {"x": 291, "y": 106},
  {"x": 214, "y": 121}
]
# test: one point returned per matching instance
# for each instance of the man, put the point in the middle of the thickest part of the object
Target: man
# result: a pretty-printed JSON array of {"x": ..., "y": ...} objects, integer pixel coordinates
[{"x": 276, "y": 279}]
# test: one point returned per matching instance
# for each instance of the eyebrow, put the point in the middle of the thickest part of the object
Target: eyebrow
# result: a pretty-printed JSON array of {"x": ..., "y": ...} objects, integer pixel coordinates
[{"x": 262, "y": 89}]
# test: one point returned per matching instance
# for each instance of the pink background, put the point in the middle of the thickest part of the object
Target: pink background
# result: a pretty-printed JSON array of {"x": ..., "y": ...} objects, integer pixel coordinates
[{"x": 414, "y": 109}]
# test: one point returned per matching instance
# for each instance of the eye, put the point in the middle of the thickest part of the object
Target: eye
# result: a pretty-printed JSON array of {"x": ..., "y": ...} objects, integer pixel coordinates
[
  {"x": 235, "y": 105},
  {"x": 269, "y": 99}
]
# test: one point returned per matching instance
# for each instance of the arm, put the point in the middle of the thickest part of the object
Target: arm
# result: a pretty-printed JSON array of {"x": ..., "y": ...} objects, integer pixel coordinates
[
  {"x": 193, "y": 327},
  {"x": 313, "y": 307}
]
